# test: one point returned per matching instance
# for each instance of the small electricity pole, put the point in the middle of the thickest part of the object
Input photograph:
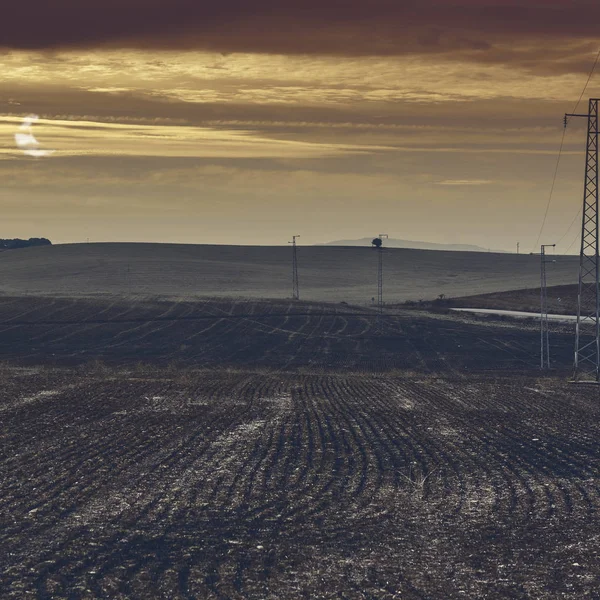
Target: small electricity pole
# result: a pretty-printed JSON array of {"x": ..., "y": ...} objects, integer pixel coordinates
[
  {"x": 587, "y": 332},
  {"x": 295, "y": 288},
  {"x": 378, "y": 243},
  {"x": 517, "y": 247},
  {"x": 544, "y": 329}
]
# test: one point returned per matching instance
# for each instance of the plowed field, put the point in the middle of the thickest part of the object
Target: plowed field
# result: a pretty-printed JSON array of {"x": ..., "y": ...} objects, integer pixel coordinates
[
  {"x": 230, "y": 451},
  {"x": 266, "y": 334}
]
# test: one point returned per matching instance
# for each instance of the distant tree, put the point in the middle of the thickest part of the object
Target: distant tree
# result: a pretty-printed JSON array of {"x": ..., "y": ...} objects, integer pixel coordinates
[{"x": 13, "y": 244}]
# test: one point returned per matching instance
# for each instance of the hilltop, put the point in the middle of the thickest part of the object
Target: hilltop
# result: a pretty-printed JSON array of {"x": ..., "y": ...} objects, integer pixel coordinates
[{"x": 416, "y": 245}]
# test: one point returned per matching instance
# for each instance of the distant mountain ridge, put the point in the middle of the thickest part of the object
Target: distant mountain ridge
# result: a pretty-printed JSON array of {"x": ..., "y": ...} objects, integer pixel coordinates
[{"x": 395, "y": 243}]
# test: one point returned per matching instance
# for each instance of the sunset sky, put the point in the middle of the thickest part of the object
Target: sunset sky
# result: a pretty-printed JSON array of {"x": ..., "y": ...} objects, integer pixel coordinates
[{"x": 248, "y": 122}]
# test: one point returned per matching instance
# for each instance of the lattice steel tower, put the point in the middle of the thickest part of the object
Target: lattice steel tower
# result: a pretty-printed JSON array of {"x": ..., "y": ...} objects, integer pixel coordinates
[
  {"x": 295, "y": 287},
  {"x": 544, "y": 329},
  {"x": 587, "y": 333}
]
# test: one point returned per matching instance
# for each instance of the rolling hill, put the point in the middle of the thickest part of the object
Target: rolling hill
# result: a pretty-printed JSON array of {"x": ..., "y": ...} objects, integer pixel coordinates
[{"x": 327, "y": 273}]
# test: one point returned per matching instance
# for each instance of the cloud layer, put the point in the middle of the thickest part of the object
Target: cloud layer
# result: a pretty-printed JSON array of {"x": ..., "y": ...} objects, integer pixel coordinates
[
  {"x": 489, "y": 30},
  {"x": 333, "y": 116}
]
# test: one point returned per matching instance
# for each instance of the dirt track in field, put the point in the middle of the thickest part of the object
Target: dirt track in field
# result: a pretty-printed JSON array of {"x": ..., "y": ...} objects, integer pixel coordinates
[
  {"x": 562, "y": 299},
  {"x": 266, "y": 450}
]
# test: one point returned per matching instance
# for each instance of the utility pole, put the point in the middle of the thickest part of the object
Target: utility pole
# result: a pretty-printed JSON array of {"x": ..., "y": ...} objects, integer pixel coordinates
[
  {"x": 295, "y": 288},
  {"x": 544, "y": 340},
  {"x": 517, "y": 247},
  {"x": 587, "y": 333},
  {"x": 380, "y": 273}
]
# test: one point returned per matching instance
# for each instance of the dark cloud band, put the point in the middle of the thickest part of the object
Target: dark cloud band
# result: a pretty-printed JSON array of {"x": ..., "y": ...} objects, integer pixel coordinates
[{"x": 348, "y": 27}]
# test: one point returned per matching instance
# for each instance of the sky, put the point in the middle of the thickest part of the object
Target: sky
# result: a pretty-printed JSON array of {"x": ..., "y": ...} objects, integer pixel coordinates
[{"x": 244, "y": 122}]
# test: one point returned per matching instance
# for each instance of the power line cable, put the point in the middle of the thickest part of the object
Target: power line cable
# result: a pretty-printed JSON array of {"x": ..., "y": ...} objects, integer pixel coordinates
[
  {"x": 562, "y": 141},
  {"x": 571, "y": 244},
  {"x": 587, "y": 82},
  {"x": 564, "y": 235}
]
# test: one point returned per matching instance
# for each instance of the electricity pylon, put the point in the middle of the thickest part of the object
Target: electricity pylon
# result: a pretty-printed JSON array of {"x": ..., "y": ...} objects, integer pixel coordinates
[
  {"x": 295, "y": 287},
  {"x": 587, "y": 333},
  {"x": 544, "y": 329}
]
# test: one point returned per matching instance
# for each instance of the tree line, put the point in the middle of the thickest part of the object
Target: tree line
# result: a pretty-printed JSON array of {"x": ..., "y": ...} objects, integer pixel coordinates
[{"x": 19, "y": 243}]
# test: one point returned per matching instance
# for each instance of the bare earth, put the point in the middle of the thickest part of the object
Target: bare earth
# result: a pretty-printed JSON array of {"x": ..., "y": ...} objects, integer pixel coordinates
[{"x": 221, "y": 448}]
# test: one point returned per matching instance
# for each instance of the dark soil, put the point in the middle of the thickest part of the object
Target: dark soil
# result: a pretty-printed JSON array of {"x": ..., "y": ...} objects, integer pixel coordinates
[
  {"x": 277, "y": 450},
  {"x": 268, "y": 335}
]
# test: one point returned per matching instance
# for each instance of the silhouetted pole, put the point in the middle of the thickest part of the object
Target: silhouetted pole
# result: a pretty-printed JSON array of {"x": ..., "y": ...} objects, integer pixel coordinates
[
  {"x": 587, "y": 332},
  {"x": 544, "y": 329},
  {"x": 295, "y": 287},
  {"x": 380, "y": 279},
  {"x": 380, "y": 275}
]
